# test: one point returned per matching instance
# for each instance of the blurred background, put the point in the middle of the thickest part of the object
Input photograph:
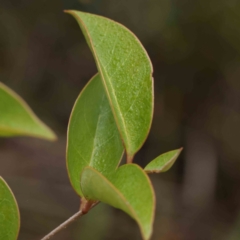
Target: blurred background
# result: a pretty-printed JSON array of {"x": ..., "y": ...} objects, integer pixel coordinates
[{"x": 195, "y": 50}]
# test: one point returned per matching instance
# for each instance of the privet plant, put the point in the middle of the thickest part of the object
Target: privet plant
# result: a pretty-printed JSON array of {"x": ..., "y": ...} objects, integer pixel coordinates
[{"x": 111, "y": 116}]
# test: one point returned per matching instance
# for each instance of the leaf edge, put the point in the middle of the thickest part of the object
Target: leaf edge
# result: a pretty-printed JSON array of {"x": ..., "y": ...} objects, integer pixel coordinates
[{"x": 16, "y": 204}]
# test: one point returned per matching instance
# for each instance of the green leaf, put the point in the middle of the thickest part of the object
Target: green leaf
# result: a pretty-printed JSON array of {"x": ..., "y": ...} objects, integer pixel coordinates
[
  {"x": 16, "y": 118},
  {"x": 9, "y": 213},
  {"x": 126, "y": 72},
  {"x": 129, "y": 190},
  {"x": 163, "y": 162},
  {"x": 93, "y": 137}
]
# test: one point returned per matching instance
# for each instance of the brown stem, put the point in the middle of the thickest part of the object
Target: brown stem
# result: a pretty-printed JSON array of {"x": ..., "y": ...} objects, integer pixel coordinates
[
  {"x": 73, "y": 218},
  {"x": 129, "y": 159},
  {"x": 86, "y": 205}
]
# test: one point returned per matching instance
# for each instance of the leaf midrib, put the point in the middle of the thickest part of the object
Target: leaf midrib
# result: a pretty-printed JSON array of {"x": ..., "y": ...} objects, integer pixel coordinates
[{"x": 104, "y": 82}]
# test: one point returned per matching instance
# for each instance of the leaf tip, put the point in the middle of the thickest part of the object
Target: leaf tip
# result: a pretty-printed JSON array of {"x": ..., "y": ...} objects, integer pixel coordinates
[
  {"x": 52, "y": 136},
  {"x": 47, "y": 133},
  {"x": 68, "y": 11}
]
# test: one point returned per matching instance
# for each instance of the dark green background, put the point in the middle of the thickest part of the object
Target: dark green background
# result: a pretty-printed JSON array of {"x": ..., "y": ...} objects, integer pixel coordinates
[{"x": 194, "y": 47}]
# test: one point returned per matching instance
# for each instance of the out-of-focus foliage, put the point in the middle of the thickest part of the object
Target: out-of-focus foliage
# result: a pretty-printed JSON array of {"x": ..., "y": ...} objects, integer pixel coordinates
[
  {"x": 17, "y": 119},
  {"x": 9, "y": 217}
]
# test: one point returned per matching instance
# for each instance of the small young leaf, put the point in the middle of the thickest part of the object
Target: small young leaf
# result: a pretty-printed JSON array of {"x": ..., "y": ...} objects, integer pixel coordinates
[
  {"x": 126, "y": 72},
  {"x": 129, "y": 190},
  {"x": 163, "y": 162},
  {"x": 9, "y": 213},
  {"x": 93, "y": 137},
  {"x": 16, "y": 118}
]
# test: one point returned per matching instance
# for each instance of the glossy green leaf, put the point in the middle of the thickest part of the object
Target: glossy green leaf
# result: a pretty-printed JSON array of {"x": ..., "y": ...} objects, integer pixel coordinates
[
  {"x": 163, "y": 162},
  {"x": 93, "y": 137},
  {"x": 9, "y": 213},
  {"x": 126, "y": 72},
  {"x": 16, "y": 118},
  {"x": 129, "y": 190}
]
